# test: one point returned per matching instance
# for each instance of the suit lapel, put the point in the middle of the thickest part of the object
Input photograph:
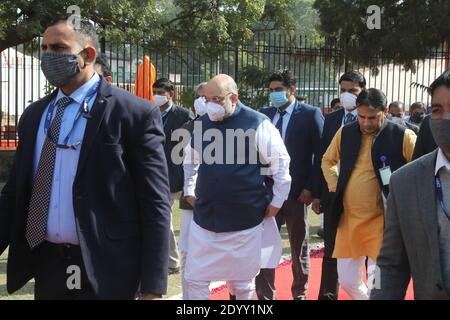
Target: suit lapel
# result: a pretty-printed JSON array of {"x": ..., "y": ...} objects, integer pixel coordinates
[
  {"x": 271, "y": 113},
  {"x": 30, "y": 135},
  {"x": 170, "y": 121},
  {"x": 425, "y": 180},
  {"x": 338, "y": 123},
  {"x": 295, "y": 113},
  {"x": 93, "y": 124}
]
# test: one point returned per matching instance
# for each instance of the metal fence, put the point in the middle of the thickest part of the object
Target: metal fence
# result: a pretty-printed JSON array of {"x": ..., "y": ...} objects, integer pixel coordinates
[{"x": 316, "y": 66}]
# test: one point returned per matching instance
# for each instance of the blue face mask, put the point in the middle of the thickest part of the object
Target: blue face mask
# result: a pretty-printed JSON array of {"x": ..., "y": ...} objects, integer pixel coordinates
[{"x": 278, "y": 98}]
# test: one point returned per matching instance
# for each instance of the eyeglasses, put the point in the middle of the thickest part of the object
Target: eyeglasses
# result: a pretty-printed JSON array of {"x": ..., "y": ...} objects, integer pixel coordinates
[{"x": 217, "y": 99}]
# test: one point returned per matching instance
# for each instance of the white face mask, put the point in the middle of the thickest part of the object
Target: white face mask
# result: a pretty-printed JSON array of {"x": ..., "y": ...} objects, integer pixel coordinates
[
  {"x": 200, "y": 106},
  {"x": 348, "y": 101},
  {"x": 397, "y": 120},
  {"x": 216, "y": 112},
  {"x": 160, "y": 100}
]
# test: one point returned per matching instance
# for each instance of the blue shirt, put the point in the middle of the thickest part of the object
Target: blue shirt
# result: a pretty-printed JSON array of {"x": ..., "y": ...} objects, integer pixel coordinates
[
  {"x": 61, "y": 227},
  {"x": 286, "y": 118}
]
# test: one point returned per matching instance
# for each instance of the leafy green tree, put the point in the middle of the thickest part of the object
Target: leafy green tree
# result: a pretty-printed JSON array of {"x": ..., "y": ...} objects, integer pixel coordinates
[
  {"x": 205, "y": 24},
  {"x": 409, "y": 28}
]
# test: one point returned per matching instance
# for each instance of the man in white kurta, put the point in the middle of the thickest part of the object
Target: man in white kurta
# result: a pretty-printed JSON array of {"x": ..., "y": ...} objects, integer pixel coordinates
[{"x": 225, "y": 238}]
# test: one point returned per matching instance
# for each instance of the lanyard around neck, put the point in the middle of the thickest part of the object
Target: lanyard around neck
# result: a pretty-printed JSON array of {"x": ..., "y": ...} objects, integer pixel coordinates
[
  {"x": 440, "y": 195},
  {"x": 82, "y": 110}
]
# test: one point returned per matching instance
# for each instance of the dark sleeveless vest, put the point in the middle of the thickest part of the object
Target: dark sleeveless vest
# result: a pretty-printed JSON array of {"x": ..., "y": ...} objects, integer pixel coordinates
[
  {"x": 388, "y": 144},
  {"x": 230, "y": 196}
]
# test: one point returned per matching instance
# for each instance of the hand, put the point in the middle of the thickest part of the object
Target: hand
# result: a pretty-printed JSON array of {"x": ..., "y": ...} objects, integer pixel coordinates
[
  {"x": 316, "y": 206},
  {"x": 190, "y": 200},
  {"x": 271, "y": 211},
  {"x": 306, "y": 197},
  {"x": 150, "y": 296}
]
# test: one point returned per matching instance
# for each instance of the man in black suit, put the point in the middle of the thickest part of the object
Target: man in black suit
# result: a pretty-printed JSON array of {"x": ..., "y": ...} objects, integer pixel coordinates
[
  {"x": 173, "y": 118},
  {"x": 300, "y": 126},
  {"x": 336, "y": 105},
  {"x": 425, "y": 141},
  {"x": 397, "y": 114},
  {"x": 86, "y": 208},
  {"x": 351, "y": 84}
]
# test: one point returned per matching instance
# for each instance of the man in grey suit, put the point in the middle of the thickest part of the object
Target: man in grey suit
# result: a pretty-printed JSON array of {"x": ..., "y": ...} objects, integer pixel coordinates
[{"x": 417, "y": 231}]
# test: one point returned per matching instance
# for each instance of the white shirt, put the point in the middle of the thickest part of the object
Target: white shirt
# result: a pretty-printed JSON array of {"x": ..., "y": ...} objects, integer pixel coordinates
[
  {"x": 286, "y": 118},
  {"x": 354, "y": 113},
  {"x": 441, "y": 161},
  {"x": 271, "y": 148}
]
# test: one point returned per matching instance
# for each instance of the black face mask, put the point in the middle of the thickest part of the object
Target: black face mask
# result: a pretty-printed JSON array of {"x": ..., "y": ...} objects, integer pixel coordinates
[
  {"x": 440, "y": 128},
  {"x": 417, "y": 117},
  {"x": 60, "y": 68}
]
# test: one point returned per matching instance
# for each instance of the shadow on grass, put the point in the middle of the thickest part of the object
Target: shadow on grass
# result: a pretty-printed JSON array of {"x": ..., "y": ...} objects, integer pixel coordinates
[{"x": 27, "y": 292}]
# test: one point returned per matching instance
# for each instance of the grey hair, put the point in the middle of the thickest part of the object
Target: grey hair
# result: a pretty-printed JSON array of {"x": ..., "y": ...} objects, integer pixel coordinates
[
  {"x": 200, "y": 86},
  {"x": 231, "y": 86}
]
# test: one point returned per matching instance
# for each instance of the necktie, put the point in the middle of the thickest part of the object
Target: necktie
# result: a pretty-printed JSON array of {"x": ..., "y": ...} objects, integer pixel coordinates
[
  {"x": 349, "y": 118},
  {"x": 164, "y": 116},
  {"x": 279, "y": 124},
  {"x": 40, "y": 197}
]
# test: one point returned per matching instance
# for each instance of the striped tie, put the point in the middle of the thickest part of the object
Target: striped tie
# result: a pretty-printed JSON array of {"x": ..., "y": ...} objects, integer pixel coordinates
[
  {"x": 349, "y": 118},
  {"x": 40, "y": 197},
  {"x": 279, "y": 124}
]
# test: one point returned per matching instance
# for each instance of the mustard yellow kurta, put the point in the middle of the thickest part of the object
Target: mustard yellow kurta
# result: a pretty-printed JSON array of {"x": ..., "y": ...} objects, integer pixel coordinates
[{"x": 360, "y": 231}]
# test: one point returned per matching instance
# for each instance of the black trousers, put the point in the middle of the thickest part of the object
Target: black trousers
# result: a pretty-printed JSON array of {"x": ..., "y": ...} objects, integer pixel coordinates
[
  {"x": 294, "y": 214},
  {"x": 329, "y": 285},
  {"x": 60, "y": 274}
]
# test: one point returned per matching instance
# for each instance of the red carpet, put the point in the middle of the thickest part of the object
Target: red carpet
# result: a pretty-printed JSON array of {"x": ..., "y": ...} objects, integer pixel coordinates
[{"x": 283, "y": 280}]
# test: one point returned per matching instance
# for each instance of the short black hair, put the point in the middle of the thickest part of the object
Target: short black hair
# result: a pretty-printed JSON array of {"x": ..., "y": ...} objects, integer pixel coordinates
[
  {"x": 397, "y": 104},
  {"x": 102, "y": 61},
  {"x": 86, "y": 30},
  {"x": 283, "y": 75},
  {"x": 373, "y": 98},
  {"x": 334, "y": 102},
  {"x": 164, "y": 84},
  {"x": 442, "y": 81},
  {"x": 417, "y": 105},
  {"x": 355, "y": 77}
]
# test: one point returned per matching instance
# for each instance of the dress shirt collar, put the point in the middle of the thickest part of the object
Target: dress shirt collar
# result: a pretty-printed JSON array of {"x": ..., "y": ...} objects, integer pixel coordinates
[
  {"x": 80, "y": 94},
  {"x": 441, "y": 162}
]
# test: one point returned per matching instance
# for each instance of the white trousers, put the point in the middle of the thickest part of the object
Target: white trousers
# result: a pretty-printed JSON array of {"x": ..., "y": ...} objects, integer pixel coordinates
[
  {"x": 184, "y": 284},
  {"x": 243, "y": 290},
  {"x": 186, "y": 218},
  {"x": 174, "y": 259},
  {"x": 350, "y": 277}
]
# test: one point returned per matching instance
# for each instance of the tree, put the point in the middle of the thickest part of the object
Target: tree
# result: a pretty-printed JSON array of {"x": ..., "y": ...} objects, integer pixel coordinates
[
  {"x": 409, "y": 28},
  {"x": 306, "y": 18},
  {"x": 207, "y": 24}
]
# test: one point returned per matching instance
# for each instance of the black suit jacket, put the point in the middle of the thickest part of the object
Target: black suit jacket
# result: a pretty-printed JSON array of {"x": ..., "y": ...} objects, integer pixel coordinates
[
  {"x": 333, "y": 122},
  {"x": 120, "y": 197},
  {"x": 425, "y": 141},
  {"x": 412, "y": 127},
  {"x": 302, "y": 143},
  {"x": 176, "y": 118}
]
